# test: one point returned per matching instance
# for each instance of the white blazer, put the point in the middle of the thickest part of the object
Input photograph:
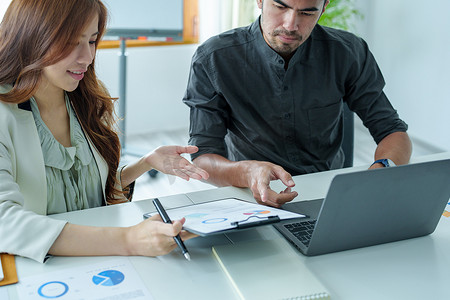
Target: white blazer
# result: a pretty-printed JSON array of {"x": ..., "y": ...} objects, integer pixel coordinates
[{"x": 24, "y": 228}]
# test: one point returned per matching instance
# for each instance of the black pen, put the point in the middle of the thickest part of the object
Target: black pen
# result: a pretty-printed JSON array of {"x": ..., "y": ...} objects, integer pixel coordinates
[{"x": 166, "y": 219}]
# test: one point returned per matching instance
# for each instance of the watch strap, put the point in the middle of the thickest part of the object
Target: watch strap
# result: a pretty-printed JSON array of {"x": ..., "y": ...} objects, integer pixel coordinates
[{"x": 385, "y": 162}]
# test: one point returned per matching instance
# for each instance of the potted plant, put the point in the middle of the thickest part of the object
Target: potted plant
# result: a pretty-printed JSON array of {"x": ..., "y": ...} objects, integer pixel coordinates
[{"x": 340, "y": 14}]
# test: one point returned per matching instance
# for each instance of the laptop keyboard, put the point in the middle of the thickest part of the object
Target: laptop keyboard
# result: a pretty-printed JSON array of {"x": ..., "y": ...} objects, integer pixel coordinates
[{"x": 302, "y": 230}]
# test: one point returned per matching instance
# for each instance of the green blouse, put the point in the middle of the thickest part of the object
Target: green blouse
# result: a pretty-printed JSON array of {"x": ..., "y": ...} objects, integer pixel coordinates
[{"x": 73, "y": 179}]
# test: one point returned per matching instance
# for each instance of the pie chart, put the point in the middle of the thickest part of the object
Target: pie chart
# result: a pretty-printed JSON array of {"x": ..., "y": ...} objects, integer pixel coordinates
[
  {"x": 108, "y": 278},
  {"x": 53, "y": 289}
]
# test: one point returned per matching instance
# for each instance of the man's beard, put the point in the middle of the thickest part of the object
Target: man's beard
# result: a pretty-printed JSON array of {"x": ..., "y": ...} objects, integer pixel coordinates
[{"x": 285, "y": 48}]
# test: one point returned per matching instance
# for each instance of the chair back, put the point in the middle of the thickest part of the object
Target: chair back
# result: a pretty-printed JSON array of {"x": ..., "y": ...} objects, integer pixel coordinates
[{"x": 349, "y": 136}]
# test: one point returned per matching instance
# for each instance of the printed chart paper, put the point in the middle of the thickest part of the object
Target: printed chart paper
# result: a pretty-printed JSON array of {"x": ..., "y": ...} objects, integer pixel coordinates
[
  {"x": 446, "y": 213},
  {"x": 216, "y": 216},
  {"x": 114, "y": 279}
]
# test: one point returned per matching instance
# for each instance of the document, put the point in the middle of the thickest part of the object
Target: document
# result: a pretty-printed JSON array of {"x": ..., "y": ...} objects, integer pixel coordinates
[
  {"x": 108, "y": 280},
  {"x": 227, "y": 214},
  {"x": 446, "y": 213}
]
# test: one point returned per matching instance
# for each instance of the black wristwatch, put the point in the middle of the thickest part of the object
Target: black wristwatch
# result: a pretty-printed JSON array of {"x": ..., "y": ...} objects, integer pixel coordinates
[{"x": 385, "y": 162}]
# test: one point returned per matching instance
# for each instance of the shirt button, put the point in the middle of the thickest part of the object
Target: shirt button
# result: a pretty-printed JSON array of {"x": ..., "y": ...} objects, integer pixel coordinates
[
  {"x": 285, "y": 87},
  {"x": 281, "y": 61},
  {"x": 289, "y": 138},
  {"x": 287, "y": 116}
]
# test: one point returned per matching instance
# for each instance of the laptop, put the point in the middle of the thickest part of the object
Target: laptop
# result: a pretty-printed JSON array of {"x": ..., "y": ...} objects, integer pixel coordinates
[{"x": 371, "y": 207}]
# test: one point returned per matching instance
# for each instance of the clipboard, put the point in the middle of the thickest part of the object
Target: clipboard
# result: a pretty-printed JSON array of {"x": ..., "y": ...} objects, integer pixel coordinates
[
  {"x": 8, "y": 265},
  {"x": 226, "y": 215}
]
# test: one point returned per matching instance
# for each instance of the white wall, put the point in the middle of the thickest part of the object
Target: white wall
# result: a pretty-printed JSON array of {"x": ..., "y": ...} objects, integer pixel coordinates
[
  {"x": 210, "y": 20},
  {"x": 156, "y": 82},
  {"x": 411, "y": 45}
]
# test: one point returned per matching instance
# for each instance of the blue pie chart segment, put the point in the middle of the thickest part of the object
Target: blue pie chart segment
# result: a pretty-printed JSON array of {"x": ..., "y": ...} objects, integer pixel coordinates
[
  {"x": 108, "y": 278},
  {"x": 53, "y": 289}
]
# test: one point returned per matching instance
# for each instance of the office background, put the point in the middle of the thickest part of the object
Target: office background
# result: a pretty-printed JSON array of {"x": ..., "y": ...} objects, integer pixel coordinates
[{"x": 409, "y": 41}]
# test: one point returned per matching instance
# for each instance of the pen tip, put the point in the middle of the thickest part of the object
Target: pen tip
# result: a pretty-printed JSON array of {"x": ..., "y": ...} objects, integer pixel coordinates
[{"x": 188, "y": 257}]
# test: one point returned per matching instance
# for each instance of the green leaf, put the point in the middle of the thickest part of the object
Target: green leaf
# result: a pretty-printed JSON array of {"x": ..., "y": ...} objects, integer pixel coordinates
[{"x": 341, "y": 14}]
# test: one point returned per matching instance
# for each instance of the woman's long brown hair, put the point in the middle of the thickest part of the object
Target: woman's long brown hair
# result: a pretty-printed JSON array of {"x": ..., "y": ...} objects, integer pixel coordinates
[{"x": 35, "y": 34}]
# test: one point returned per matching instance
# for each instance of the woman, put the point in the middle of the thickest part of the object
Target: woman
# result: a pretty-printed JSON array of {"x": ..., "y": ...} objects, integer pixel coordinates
[{"x": 59, "y": 151}]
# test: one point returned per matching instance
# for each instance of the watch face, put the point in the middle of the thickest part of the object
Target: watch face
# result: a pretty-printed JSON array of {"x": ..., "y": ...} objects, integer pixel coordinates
[{"x": 391, "y": 163}]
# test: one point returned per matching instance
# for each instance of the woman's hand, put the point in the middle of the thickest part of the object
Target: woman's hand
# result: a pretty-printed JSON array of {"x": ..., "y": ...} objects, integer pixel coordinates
[
  {"x": 168, "y": 159},
  {"x": 152, "y": 237}
]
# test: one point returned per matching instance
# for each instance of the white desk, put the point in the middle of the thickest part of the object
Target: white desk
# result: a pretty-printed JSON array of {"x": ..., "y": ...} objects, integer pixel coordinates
[{"x": 412, "y": 269}]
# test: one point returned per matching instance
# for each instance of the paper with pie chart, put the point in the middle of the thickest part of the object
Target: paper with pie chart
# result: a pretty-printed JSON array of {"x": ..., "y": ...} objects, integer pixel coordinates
[
  {"x": 217, "y": 216},
  {"x": 112, "y": 279}
]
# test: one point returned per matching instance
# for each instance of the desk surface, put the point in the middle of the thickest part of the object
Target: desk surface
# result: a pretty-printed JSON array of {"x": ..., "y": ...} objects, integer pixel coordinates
[{"x": 413, "y": 269}]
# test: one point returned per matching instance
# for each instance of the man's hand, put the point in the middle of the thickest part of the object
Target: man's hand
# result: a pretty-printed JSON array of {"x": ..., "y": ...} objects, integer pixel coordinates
[
  {"x": 260, "y": 174},
  {"x": 252, "y": 174}
]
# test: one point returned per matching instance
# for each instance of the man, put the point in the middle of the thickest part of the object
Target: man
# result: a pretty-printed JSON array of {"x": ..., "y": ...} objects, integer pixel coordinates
[{"x": 267, "y": 100}]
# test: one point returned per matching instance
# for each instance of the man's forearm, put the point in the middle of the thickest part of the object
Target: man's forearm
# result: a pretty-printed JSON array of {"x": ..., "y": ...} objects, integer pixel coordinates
[
  {"x": 396, "y": 146},
  {"x": 223, "y": 172}
]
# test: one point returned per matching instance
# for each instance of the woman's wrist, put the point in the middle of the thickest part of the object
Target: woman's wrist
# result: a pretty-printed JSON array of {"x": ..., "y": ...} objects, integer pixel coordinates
[
  {"x": 128, "y": 240},
  {"x": 132, "y": 171},
  {"x": 148, "y": 161}
]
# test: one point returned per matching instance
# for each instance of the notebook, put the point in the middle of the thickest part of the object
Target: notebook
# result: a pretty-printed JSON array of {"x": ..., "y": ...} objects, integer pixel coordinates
[
  {"x": 371, "y": 207},
  {"x": 268, "y": 269}
]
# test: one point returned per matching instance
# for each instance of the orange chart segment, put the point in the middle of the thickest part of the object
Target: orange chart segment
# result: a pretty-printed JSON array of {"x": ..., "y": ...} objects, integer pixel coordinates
[{"x": 257, "y": 212}]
